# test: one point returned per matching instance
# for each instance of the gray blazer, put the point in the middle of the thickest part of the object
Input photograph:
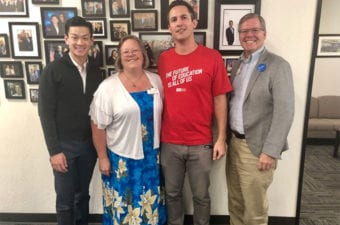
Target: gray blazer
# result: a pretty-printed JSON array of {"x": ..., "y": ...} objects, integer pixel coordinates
[{"x": 268, "y": 108}]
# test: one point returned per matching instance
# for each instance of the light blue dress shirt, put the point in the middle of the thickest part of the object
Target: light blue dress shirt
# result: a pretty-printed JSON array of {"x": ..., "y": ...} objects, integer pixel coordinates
[{"x": 240, "y": 84}]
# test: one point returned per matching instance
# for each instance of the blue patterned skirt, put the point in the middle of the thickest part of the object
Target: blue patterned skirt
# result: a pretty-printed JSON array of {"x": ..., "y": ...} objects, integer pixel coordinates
[{"x": 133, "y": 194}]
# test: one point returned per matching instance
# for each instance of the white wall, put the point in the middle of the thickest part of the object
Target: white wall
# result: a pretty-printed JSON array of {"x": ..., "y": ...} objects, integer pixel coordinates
[
  {"x": 326, "y": 73},
  {"x": 25, "y": 174}
]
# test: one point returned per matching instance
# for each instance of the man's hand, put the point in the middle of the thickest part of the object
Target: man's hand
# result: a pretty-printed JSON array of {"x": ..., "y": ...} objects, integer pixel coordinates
[
  {"x": 266, "y": 162},
  {"x": 59, "y": 162},
  {"x": 219, "y": 150}
]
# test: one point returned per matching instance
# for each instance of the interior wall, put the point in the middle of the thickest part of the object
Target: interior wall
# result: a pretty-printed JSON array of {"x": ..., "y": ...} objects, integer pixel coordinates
[
  {"x": 25, "y": 173},
  {"x": 326, "y": 79}
]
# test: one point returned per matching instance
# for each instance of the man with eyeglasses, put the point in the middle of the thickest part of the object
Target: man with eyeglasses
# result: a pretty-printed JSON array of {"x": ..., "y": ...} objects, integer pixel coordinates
[{"x": 260, "y": 116}]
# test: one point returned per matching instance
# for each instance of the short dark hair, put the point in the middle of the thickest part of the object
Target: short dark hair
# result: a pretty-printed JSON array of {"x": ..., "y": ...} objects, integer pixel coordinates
[
  {"x": 182, "y": 3},
  {"x": 118, "y": 63},
  {"x": 252, "y": 16},
  {"x": 78, "y": 21}
]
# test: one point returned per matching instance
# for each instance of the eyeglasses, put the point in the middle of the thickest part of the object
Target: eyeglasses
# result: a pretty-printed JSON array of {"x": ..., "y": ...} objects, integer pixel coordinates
[
  {"x": 127, "y": 52},
  {"x": 252, "y": 30}
]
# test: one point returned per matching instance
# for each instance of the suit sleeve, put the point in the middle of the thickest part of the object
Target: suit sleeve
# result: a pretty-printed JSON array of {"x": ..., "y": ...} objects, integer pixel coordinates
[{"x": 282, "y": 89}]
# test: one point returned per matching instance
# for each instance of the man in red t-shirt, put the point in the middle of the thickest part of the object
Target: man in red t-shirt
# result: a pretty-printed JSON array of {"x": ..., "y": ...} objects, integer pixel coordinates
[{"x": 195, "y": 85}]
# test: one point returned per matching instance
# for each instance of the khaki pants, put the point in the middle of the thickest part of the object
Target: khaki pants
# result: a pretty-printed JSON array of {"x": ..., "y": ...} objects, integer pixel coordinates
[{"x": 247, "y": 186}]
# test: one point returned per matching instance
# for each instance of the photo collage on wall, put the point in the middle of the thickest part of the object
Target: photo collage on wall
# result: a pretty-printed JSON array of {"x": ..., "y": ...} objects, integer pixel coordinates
[{"x": 29, "y": 46}]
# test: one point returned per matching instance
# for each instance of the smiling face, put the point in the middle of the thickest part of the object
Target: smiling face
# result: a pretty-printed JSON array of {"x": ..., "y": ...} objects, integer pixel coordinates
[
  {"x": 131, "y": 54},
  {"x": 181, "y": 25},
  {"x": 251, "y": 35},
  {"x": 79, "y": 41}
]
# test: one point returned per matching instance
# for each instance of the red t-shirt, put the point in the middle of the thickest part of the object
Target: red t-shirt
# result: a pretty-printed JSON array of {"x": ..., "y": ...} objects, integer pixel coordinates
[{"x": 190, "y": 83}]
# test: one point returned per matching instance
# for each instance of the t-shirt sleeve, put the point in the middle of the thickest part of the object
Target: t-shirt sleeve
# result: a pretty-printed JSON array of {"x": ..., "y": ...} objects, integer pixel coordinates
[{"x": 101, "y": 110}]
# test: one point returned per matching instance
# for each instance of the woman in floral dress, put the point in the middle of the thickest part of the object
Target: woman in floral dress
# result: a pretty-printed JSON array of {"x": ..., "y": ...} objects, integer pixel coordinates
[{"x": 126, "y": 113}]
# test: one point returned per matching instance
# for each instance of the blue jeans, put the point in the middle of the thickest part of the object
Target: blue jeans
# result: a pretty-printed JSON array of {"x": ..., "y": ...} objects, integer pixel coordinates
[
  {"x": 72, "y": 187},
  {"x": 176, "y": 160}
]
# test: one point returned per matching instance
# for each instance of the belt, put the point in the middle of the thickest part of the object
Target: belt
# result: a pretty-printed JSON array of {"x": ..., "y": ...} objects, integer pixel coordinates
[{"x": 238, "y": 135}]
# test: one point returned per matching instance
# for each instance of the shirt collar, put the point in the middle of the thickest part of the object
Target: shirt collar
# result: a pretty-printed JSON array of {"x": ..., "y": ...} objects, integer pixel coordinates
[
  {"x": 253, "y": 57},
  {"x": 77, "y": 65}
]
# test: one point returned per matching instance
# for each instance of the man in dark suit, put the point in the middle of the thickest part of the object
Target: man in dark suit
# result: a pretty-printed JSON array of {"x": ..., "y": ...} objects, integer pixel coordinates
[
  {"x": 230, "y": 33},
  {"x": 25, "y": 41},
  {"x": 98, "y": 9},
  {"x": 260, "y": 116},
  {"x": 53, "y": 28}
]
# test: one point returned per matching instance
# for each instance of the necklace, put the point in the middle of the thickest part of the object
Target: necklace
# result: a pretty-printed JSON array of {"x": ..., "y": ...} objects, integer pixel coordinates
[{"x": 132, "y": 82}]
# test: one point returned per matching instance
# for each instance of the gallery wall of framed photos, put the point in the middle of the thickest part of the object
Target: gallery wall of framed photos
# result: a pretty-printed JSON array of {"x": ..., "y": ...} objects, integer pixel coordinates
[{"x": 36, "y": 30}]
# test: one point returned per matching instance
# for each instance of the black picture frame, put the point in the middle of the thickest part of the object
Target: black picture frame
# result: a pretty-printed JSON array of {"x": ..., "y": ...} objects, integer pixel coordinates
[
  {"x": 11, "y": 69},
  {"x": 15, "y": 89},
  {"x": 111, "y": 54},
  {"x": 57, "y": 15},
  {"x": 99, "y": 27},
  {"x": 226, "y": 10},
  {"x": 228, "y": 62},
  {"x": 119, "y": 29},
  {"x": 4, "y": 46},
  {"x": 328, "y": 45},
  {"x": 119, "y": 8},
  {"x": 54, "y": 50},
  {"x": 200, "y": 37},
  {"x": 200, "y": 7},
  {"x": 25, "y": 42},
  {"x": 43, "y": 2},
  {"x": 111, "y": 71},
  {"x": 96, "y": 53},
  {"x": 144, "y": 20},
  {"x": 19, "y": 10},
  {"x": 33, "y": 71},
  {"x": 144, "y": 4},
  {"x": 155, "y": 43},
  {"x": 93, "y": 8},
  {"x": 34, "y": 95}
]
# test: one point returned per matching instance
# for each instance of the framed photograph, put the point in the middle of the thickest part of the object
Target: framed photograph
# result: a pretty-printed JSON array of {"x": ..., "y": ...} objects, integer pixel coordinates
[
  {"x": 53, "y": 20},
  {"x": 34, "y": 94},
  {"x": 228, "y": 61},
  {"x": 329, "y": 45},
  {"x": 33, "y": 72},
  {"x": 119, "y": 8},
  {"x": 50, "y": 2},
  {"x": 4, "y": 46},
  {"x": 93, "y": 8},
  {"x": 200, "y": 37},
  {"x": 15, "y": 89},
  {"x": 25, "y": 41},
  {"x": 144, "y": 20},
  {"x": 227, "y": 15},
  {"x": 155, "y": 43},
  {"x": 11, "y": 69},
  {"x": 99, "y": 27},
  {"x": 54, "y": 50},
  {"x": 144, "y": 4},
  {"x": 111, "y": 54},
  {"x": 96, "y": 53},
  {"x": 200, "y": 7},
  {"x": 119, "y": 29},
  {"x": 20, "y": 9}
]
